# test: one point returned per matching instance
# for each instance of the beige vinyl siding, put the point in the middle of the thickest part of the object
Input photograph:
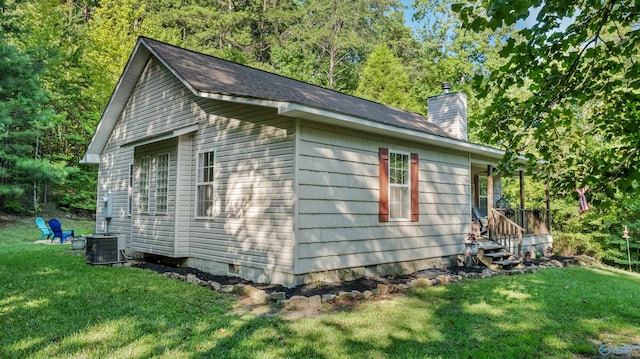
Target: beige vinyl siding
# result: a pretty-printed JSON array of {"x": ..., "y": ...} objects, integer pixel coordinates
[
  {"x": 253, "y": 181},
  {"x": 185, "y": 163},
  {"x": 338, "y": 202},
  {"x": 154, "y": 232},
  {"x": 159, "y": 103}
]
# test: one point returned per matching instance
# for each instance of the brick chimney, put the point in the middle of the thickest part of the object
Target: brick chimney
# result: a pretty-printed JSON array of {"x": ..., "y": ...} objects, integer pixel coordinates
[{"x": 449, "y": 111}]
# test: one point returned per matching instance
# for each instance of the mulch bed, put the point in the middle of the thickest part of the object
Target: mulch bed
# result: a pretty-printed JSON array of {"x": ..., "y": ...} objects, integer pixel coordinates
[{"x": 310, "y": 289}]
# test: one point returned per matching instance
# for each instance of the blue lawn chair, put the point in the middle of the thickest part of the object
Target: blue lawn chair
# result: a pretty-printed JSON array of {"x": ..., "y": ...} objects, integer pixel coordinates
[
  {"x": 56, "y": 228},
  {"x": 46, "y": 231}
]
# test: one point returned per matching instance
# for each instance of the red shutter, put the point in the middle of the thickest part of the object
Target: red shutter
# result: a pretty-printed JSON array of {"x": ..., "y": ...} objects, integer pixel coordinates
[
  {"x": 415, "y": 202},
  {"x": 383, "y": 204}
]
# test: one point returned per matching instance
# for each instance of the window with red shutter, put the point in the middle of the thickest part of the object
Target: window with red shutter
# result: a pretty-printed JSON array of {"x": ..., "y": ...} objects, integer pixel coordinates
[{"x": 399, "y": 198}]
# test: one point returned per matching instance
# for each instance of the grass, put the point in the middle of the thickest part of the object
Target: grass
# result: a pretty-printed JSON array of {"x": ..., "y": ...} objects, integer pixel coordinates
[{"x": 53, "y": 305}]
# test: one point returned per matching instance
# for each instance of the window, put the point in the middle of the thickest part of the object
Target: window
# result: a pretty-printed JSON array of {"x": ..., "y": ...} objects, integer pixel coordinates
[
  {"x": 162, "y": 182},
  {"x": 130, "y": 191},
  {"x": 398, "y": 186},
  {"x": 204, "y": 183},
  {"x": 143, "y": 185}
]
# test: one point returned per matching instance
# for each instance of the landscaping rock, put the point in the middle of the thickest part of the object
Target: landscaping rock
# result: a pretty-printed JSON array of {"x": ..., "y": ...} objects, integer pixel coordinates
[
  {"x": 357, "y": 295},
  {"x": 314, "y": 302},
  {"x": 276, "y": 296},
  {"x": 214, "y": 285},
  {"x": 329, "y": 298},
  {"x": 421, "y": 283},
  {"x": 346, "y": 296},
  {"x": 383, "y": 288},
  {"x": 192, "y": 279},
  {"x": 375, "y": 291},
  {"x": 367, "y": 294},
  {"x": 487, "y": 273},
  {"x": 298, "y": 302},
  {"x": 228, "y": 288},
  {"x": 556, "y": 263}
]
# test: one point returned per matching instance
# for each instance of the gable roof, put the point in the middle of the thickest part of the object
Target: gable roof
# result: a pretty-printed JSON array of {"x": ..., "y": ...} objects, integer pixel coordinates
[{"x": 211, "y": 77}]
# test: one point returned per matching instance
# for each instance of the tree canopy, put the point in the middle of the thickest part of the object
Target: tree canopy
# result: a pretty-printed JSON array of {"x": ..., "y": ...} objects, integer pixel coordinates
[{"x": 568, "y": 91}]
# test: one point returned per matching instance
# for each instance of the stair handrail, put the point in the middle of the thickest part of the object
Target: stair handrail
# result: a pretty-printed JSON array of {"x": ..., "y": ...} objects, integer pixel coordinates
[{"x": 503, "y": 236}]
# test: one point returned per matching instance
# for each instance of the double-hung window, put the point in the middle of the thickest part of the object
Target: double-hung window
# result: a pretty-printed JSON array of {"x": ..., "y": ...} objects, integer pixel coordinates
[
  {"x": 162, "y": 182},
  {"x": 399, "y": 198},
  {"x": 399, "y": 186},
  {"x": 204, "y": 184}
]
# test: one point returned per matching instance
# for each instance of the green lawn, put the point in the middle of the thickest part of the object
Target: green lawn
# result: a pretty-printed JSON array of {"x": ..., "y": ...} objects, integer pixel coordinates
[{"x": 53, "y": 305}]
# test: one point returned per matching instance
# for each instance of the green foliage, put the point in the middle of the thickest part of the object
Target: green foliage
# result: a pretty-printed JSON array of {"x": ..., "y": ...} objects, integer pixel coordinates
[
  {"x": 384, "y": 79},
  {"x": 569, "y": 90}
]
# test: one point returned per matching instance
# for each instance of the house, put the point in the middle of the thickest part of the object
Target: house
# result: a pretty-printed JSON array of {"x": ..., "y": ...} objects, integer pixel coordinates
[{"x": 238, "y": 171}]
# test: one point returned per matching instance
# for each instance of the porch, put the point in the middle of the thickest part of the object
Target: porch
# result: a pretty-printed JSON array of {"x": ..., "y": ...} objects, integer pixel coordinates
[{"x": 512, "y": 231}]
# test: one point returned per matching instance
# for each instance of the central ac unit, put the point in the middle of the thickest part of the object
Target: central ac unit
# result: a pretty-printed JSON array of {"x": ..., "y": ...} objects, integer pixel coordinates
[{"x": 102, "y": 249}]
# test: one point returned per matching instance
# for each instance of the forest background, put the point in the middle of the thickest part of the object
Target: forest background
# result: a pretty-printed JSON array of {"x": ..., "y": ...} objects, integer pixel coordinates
[{"x": 553, "y": 81}]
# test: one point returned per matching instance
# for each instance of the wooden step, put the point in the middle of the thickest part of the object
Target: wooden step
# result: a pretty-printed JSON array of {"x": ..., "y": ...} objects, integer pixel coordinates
[
  {"x": 489, "y": 245},
  {"x": 497, "y": 254}
]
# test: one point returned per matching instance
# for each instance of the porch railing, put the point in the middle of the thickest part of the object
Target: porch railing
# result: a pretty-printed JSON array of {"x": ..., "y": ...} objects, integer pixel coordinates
[
  {"x": 533, "y": 221},
  {"x": 506, "y": 232}
]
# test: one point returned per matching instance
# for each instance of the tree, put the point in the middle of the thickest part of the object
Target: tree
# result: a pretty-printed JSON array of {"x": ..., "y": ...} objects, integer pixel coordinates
[
  {"x": 452, "y": 53},
  {"x": 339, "y": 34},
  {"x": 23, "y": 119},
  {"x": 569, "y": 90},
  {"x": 384, "y": 79}
]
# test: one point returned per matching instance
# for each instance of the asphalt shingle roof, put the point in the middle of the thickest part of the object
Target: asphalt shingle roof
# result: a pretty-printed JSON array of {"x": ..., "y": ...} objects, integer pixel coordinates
[{"x": 209, "y": 74}]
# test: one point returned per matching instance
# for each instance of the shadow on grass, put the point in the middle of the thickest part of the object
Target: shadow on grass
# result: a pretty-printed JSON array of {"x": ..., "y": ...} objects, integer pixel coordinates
[{"x": 54, "y": 305}]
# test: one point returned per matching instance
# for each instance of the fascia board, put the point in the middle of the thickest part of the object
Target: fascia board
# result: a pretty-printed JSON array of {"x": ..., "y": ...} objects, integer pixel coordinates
[{"x": 297, "y": 110}]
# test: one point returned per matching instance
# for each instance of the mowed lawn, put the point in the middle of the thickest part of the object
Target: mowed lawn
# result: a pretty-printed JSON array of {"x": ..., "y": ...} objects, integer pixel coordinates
[{"x": 53, "y": 305}]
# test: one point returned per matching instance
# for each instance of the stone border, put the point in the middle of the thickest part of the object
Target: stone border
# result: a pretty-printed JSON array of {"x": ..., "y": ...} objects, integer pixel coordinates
[{"x": 423, "y": 279}]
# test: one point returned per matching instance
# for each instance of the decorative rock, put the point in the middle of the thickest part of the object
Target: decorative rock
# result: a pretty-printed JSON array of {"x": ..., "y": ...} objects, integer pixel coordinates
[
  {"x": 403, "y": 287},
  {"x": 314, "y": 302},
  {"x": 282, "y": 303},
  {"x": 276, "y": 296},
  {"x": 329, "y": 298},
  {"x": 357, "y": 295},
  {"x": 393, "y": 288},
  {"x": 192, "y": 279},
  {"x": 228, "y": 288},
  {"x": 214, "y": 285},
  {"x": 556, "y": 263},
  {"x": 444, "y": 279},
  {"x": 487, "y": 273},
  {"x": 422, "y": 282},
  {"x": 345, "y": 296},
  {"x": 298, "y": 302},
  {"x": 463, "y": 274},
  {"x": 376, "y": 291},
  {"x": 383, "y": 288},
  {"x": 367, "y": 294}
]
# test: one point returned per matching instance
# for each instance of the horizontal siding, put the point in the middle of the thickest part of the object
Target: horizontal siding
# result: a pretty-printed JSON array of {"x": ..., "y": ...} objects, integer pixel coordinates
[
  {"x": 253, "y": 183},
  {"x": 338, "y": 202},
  {"x": 155, "y": 232}
]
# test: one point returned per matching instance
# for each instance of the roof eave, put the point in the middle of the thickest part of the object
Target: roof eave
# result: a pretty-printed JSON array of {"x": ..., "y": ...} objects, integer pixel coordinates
[
  {"x": 117, "y": 101},
  {"x": 358, "y": 123}
]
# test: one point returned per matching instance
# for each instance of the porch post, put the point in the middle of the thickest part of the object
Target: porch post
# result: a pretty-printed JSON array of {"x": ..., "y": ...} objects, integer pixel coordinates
[
  {"x": 490, "y": 199},
  {"x": 522, "y": 200},
  {"x": 548, "y": 203}
]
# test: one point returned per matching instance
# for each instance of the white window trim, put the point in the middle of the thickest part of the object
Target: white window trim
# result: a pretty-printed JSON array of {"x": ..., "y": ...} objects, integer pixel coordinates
[
  {"x": 131, "y": 183},
  {"x": 198, "y": 183},
  {"x": 407, "y": 186}
]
